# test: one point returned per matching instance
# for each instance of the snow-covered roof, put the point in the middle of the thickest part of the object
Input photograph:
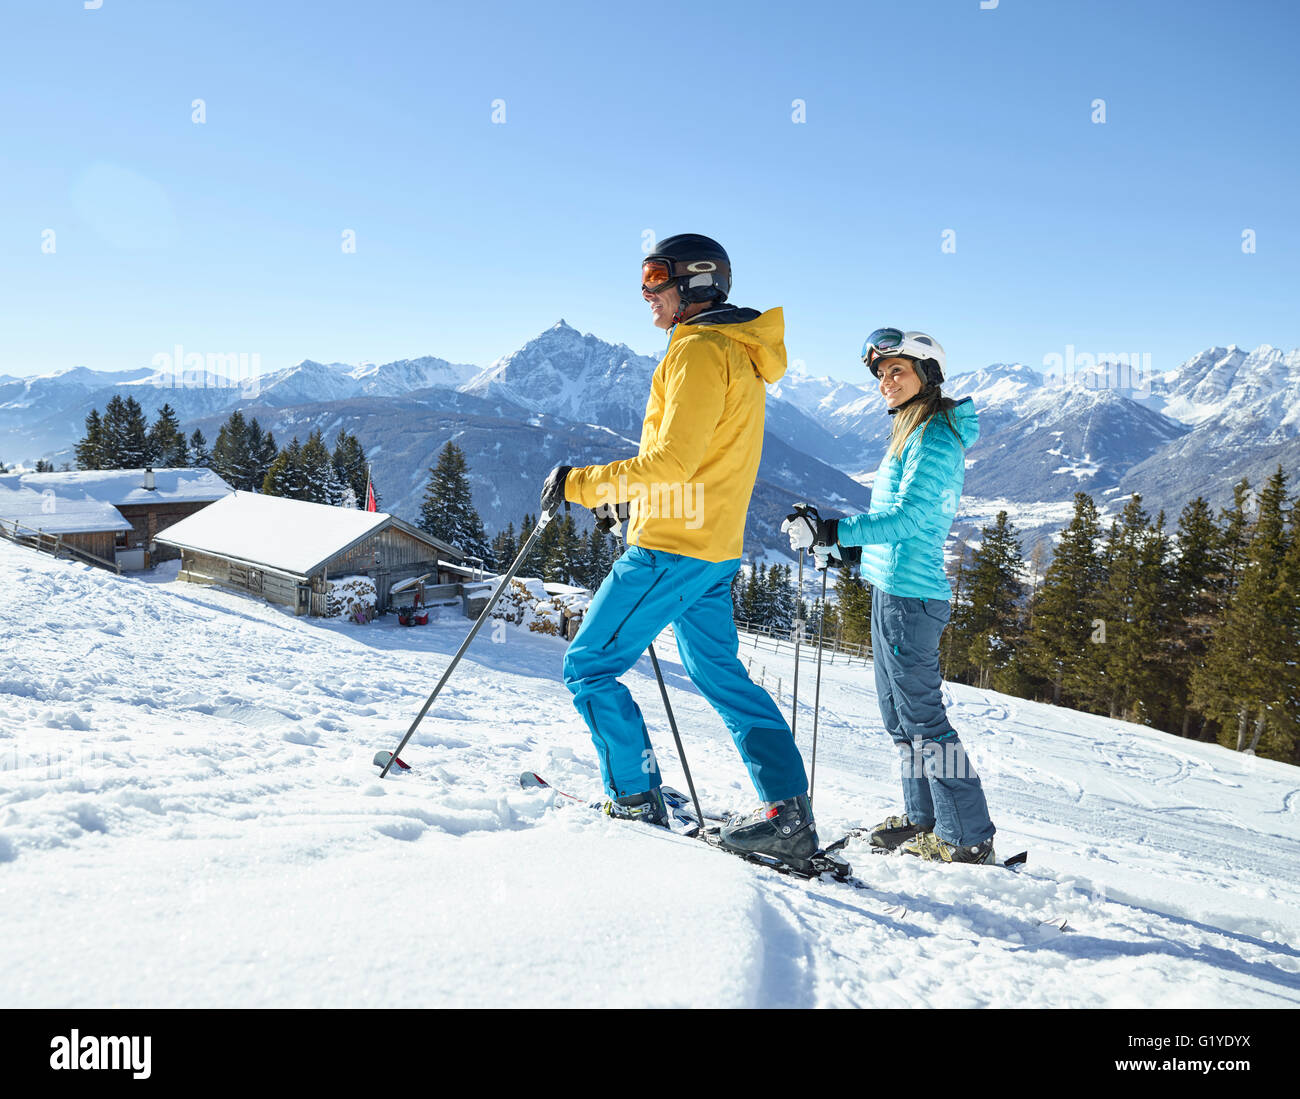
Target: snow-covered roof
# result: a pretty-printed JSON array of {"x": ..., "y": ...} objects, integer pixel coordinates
[
  {"x": 54, "y": 514},
  {"x": 565, "y": 589},
  {"x": 457, "y": 566},
  {"x": 410, "y": 582},
  {"x": 291, "y": 536},
  {"x": 121, "y": 487}
]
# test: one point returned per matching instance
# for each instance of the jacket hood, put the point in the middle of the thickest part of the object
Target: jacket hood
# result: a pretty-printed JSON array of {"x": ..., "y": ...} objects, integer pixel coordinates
[
  {"x": 967, "y": 420},
  {"x": 762, "y": 334}
]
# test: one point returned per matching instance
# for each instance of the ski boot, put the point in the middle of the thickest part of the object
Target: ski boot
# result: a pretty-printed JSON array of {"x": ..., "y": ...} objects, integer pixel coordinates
[
  {"x": 783, "y": 832},
  {"x": 892, "y": 832},
  {"x": 927, "y": 845},
  {"x": 649, "y": 808}
]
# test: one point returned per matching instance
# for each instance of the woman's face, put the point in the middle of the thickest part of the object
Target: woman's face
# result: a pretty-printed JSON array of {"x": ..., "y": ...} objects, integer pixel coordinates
[{"x": 899, "y": 380}]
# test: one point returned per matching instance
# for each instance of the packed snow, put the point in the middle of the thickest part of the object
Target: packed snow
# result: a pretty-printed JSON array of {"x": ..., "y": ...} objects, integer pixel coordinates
[{"x": 190, "y": 816}]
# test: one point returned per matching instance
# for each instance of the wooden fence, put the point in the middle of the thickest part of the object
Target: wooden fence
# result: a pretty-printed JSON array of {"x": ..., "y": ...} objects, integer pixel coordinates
[
  {"x": 53, "y": 544},
  {"x": 765, "y": 638}
]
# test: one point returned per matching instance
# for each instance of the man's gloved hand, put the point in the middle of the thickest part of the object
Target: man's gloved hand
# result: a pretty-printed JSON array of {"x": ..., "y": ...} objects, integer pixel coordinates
[
  {"x": 610, "y": 517},
  {"x": 553, "y": 489}
]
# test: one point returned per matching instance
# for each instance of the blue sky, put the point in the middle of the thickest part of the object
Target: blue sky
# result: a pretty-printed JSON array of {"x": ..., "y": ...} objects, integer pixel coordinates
[{"x": 472, "y": 235}]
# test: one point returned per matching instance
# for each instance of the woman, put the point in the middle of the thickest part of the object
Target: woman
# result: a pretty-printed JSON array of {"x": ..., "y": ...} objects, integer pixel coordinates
[{"x": 913, "y": 502}]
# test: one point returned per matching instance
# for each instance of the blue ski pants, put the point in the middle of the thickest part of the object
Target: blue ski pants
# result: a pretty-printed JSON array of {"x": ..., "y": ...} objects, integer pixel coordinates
[
  {"x": 941, "y": 791},
  {"x": 644, "y": 591}
]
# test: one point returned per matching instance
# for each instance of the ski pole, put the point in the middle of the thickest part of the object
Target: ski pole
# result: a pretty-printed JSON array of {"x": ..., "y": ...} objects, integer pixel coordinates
[
  {"x": 672, "y": 722},
  {"x": 817, "y": 692},
  {"x": 798, "y": 636},
  {"x": 546, "y": 517},
  {"x": 799, "y": 509}
]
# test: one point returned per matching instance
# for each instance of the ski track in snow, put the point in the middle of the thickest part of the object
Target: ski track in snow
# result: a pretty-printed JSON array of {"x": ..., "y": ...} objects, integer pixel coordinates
[{"x": 183, "y": 763}]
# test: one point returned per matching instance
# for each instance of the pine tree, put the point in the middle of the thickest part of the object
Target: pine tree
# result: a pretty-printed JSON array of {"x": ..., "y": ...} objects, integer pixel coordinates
[
  {"x": 787, "y": 606},
  {"x": 1124, "y": 669},
  {"x": 350, "y": 464},
  {"x": 287, "y": 476},
  {"x": 123, "y": 434},
  {"x": 262, "y": 452},
  {"x": 952, "y": 644},
  {"x": 778, "y": 598},
  {"x": 1057, "y": 649},
  {"x": 1282, "y": 739},
  {"x": 448, "y": 509},
  {"x": 90, "y": 450},
  {"x": 112, "y": 433},
  {"x": 748, "y": 607},
  {"x": 135, "y": 438},
  {"x": 813, "y": 623},
  {"x": 232, "y": 456},
  {"x": 1194, "y": 594},
  {"x": 1140, "y": 662},
  {"x": 543, "y": 550},
  {"x": 1249, "y": 650},
  {"x": 600, "y": 558},
  {"x": 505, "y": 548},
  {"x": 563, "y": 560},
  {"x": 166, "y": 443},
  {"x": 853, "y": 603},
  {"x": 322, "y": 484},
  {"x": 987, "y": 620},
  {"x": 1236, "y": 522},
  {"x": 200, "y": 456},
  {"x": 1038, "y": 559},
  {"x": 1155, "y": 610}
]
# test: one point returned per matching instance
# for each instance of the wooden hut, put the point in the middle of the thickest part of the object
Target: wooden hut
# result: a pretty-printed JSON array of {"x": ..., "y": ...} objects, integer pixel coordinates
[
  {"x": 80, "y": 528},
  {"x": 130, "y": 507},
  {"x": 286, "y": 551}
]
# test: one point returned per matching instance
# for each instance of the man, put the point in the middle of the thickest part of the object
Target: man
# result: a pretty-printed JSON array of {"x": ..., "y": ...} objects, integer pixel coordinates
[{"x": 689, "y": 488}]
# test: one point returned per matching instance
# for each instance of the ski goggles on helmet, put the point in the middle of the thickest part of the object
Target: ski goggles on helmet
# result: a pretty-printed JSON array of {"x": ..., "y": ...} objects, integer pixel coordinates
[
  {"x": 656, "y": 275},
  {"x": 881, "y": 344}
]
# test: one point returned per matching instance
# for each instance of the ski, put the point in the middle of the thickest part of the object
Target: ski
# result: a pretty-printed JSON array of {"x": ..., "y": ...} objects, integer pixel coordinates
[
  {"x": 382, "y": 758},
  {"x": 676, "y": 802},
  {"x": 824, "y": 863},
  {"x": 1015, "y": 862}
]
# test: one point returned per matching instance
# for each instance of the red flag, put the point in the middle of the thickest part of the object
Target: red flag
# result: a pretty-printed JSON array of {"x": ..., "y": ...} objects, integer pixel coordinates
[{"x": 370, "y": 495}]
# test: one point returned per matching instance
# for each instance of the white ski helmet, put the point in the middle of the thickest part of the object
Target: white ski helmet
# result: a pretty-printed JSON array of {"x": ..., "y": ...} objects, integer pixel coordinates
[{"x": 888, "y": 343}]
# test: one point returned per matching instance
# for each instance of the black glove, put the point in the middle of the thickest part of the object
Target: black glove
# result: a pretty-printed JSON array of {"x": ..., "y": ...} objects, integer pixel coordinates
[
  {"x": 828, "y": 532},
  {"x": 842, "y": 557},
  {"x": 610, "y": 517},
  {"x": 553, "y": 489}
]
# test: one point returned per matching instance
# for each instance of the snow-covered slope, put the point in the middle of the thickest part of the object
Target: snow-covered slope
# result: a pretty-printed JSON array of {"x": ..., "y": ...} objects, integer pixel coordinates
[{"x": 189, "y": 811}]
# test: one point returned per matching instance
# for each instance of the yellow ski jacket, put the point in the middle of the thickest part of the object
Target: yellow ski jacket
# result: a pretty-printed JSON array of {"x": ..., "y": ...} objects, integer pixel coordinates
[{"x": 689, "y": 485}]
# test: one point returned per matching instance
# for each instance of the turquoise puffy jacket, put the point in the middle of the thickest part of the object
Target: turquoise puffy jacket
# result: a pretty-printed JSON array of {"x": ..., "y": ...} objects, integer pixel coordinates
[{"x": 913, "y": 503}]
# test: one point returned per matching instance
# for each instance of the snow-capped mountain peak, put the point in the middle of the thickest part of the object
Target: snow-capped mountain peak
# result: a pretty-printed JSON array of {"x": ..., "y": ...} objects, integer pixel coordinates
[{"x": 573, "y": 375}]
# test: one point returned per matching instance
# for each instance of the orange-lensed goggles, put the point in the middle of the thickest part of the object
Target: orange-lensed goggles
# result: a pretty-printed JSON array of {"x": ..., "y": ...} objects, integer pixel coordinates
[{"x": 656, "y": 275}]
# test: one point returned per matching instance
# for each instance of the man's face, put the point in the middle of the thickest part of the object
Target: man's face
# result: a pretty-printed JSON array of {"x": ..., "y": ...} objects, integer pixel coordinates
[{"x": 663, "y": 305}]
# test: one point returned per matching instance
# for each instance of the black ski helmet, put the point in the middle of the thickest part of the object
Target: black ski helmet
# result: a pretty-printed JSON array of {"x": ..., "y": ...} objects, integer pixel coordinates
[{"x": 699, "y": 263}]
